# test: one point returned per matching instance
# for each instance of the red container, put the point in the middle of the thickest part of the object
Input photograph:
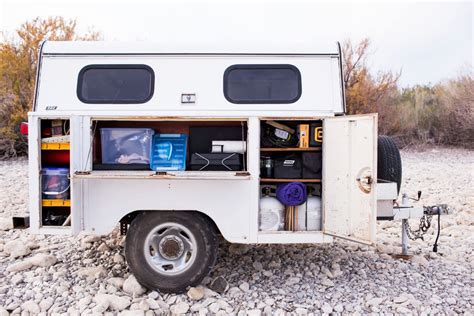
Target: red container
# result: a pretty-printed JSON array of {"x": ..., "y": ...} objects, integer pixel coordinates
[
  {"x": 55, "y": 157},
  {"x": 24, "y": 128}
]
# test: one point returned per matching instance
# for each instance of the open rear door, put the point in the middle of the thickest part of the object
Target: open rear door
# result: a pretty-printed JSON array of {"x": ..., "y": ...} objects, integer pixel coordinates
[{"x": 349, "y": 173}]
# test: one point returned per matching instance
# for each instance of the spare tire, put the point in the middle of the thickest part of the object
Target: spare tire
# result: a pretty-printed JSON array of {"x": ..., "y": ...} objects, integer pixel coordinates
[{"x": 389, "y": 167}]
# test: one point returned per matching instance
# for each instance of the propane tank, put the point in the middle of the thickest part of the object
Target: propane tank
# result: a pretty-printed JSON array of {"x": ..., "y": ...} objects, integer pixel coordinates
[
  {"x": 272, "y": 212},
  {"x": 310, "y": 213},
  {"x": 313, "y": 213}
]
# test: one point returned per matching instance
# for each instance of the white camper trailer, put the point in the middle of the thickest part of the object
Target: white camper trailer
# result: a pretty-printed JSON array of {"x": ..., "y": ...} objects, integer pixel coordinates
[{"x": 180, "y": 146}]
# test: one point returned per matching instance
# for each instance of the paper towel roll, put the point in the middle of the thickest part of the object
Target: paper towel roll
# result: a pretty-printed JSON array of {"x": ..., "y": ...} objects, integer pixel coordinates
[{"x": 229, "y": 146}]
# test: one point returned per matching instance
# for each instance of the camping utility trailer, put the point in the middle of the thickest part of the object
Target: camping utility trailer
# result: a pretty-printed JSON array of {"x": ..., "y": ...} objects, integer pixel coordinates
[{"x": 180, "y": 146}]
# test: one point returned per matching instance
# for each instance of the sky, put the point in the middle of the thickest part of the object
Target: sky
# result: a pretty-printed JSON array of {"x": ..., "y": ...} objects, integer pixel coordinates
[{"x": 426, "y": 41}]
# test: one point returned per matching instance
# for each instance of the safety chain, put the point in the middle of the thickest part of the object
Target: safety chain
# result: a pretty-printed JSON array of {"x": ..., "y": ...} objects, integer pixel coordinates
[{"x": 425, "y": 224}]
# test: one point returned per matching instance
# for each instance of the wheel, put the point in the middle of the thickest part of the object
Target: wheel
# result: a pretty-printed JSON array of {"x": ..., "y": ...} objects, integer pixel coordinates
[
  {"x": 389, "y": 162},
  {"x": 170, "y": 251}
]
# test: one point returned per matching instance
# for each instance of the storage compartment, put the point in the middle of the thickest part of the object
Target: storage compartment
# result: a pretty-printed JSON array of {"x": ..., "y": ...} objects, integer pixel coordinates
[
  {"x": 173, "y": 146},
  {"x": 55, "y": 184},
  {"x": 289, "y": 154}
]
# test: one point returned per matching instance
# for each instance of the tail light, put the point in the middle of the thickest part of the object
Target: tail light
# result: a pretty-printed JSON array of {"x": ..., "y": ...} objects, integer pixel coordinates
[{"x": 24, "y": 128}]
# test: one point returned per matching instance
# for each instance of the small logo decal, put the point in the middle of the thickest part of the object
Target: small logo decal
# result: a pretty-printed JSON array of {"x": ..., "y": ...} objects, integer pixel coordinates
[
  {"x": 187, "y": 98},
  {"x": 51, "y": 108}
]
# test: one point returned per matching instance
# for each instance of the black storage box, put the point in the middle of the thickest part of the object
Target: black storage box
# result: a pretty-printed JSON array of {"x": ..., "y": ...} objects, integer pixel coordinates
[
  {"x": 288, "y": 167},
  {"x": 216, "y": 162},
  {"x": 312, "y": 165}
]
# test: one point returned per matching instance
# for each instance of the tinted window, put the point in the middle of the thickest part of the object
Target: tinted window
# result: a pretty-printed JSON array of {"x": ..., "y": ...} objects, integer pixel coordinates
[
  {"x": 262, "y": 84},
  {"x": 115, "y": 84}
]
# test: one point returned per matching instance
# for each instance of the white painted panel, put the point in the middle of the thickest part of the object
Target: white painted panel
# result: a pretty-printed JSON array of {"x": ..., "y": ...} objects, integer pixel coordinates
[
  {"x": 199, "y": 75},
  {"x": 227, "y": 202},
  {"x": 349, "y": 154},
  {"x": 33, "y": 174}
]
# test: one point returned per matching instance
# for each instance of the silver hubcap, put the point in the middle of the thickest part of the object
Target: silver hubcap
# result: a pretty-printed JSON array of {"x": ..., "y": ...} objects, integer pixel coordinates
[{"x": 170, "y": 248}]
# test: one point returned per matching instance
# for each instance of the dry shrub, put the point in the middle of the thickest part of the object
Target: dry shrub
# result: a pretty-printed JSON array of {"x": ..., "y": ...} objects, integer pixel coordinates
[{"x": 18, "y": 59}]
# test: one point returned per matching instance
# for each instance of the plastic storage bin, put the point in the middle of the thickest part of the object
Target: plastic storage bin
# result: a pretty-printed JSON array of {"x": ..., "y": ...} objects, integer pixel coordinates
[
  {"x": 126, "y": 145},
  {"x": 168, "y": 152},
  {"x": 55, "y": 183}
]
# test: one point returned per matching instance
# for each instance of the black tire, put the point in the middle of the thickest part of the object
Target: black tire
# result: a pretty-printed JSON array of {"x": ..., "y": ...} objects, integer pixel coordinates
[
  {"x": 205, "y": 238},
  {"x": 389, "y": 162}
]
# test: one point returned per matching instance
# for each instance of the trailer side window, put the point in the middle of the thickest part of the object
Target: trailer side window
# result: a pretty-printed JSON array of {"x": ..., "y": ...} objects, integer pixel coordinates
[
  {"x": 115, "y": 84},
  {"x": 251, "y": 84}
]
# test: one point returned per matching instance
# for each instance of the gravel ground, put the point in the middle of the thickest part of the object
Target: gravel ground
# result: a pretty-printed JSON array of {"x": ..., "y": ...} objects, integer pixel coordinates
[{"x": 87, "y": 274}]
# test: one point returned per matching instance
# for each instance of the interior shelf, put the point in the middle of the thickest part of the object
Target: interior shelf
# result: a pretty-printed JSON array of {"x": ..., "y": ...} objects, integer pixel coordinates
[
  {"x": 55, "y": 146},
  {"x": 170, "y": 175},
  {"x": 290, "y": 149},
  {"x": 290, "y": 180},
  {"x": 56, "y": 203}
]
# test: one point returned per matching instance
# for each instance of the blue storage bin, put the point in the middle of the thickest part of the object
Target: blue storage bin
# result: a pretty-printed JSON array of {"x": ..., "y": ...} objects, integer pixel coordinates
[
  {"x": 126, "y": 145},
  {"x": 168, "y": 152}
]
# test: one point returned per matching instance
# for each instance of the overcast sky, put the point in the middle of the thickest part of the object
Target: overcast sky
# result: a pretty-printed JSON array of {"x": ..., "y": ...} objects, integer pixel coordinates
[{"x": 427, "y": 41}]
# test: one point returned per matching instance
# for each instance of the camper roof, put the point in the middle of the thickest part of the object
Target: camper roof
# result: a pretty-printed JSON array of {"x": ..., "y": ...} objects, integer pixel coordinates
[{"x": 184, "y": 47}]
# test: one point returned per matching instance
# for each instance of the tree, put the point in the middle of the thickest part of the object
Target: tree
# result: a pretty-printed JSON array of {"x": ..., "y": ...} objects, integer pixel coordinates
[
  {"x": 364, "y": 92},
  {"x": 18, "y": 60}
]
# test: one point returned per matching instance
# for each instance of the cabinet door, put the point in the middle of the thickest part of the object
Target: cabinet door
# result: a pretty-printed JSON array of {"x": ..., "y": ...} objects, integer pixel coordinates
[{"x": 349, "y": 174}]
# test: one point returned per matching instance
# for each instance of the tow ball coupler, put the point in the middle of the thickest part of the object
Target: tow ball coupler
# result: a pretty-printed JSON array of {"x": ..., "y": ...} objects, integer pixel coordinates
[{"x": 405, "y": 211}]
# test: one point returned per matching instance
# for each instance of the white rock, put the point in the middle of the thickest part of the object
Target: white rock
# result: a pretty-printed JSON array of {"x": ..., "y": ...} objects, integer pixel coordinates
[
  {"x": 196, "y": 293},
  {"x": 3, "y": 312},
  {"x": 132, "y": 287},
  {"x": 43, "y": 260},
  {"x": 46, "y": 304},
  {"x": 116, "y": 303},
  {"x": 90, "y": 239},
  {"x": 101, "y": 306},
  {"x": 375, "y": 301},
  {"x": 19, "y": 266},
  {"x": 339, "y": 308},
  {"x": 117, "y": 282},
  {"x": 254, "y": 312},
  {"x": 421, "y": 260},
  {"x": 214, "y": 307},
  {"x": 292, "y": 281},
  {"x": 326, "y": 308},
  {"x": 451, "y": 301},
  {"x": 17, "y": 279},
  {"x": 16, "y": 249},
  {"x": 118, "y": 258},
  {"x": 244, "y": 287},
  {"x": 6, "y": 223},
  {"x": 31, "y": 306},
  {"x": 152, "y": 303},
  {"x": 103, "y": 247},
  {"x": 180, "y": 308},
  {"x": 301, "y": 311},
  {"x": 92, "y": 273}
]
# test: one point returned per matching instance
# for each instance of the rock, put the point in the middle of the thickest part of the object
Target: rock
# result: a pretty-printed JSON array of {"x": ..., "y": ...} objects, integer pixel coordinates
[
  {"x": 451, "y": 301},
  {"x": 196, "y": 293},
  {"x": 153, "y": 295},
  {"x": 132, "y": 287},
  {"x": 254, "y": 312},
  {"x": 421, "y": 260},
  {"x": 214, "y": 307},
  {"x": 16, "y": 249},
  {"x": 90, "y": 239},
  {"x": 17, "y": 279},
  {"x": 244, "y": 287},
  {"x": 180, "y": 308},
  {"x": 400, "y": 299},
  {"x": 116, "y": 303},
  {"x": 46, "y": 304},
  {"x": 43, "y": 260},
  {"x": 301, "y": 311},
  {"x": 238, "y": 249},
  {"x": 19, "y": 266},
  {"x": 3, "y": 312},
  {"x": 117, "y": 282},
  {"x": 219, "y": 285},
  {"x": 103, "y": 247},
  {"x": 5, "y": 223},
  {"x": 152, "y": 304},
  {"x": 326, "y": 308},
  {"x": 118, "y": 258},
  {"x": 31, "y": 307},
  {"x": 101, "y": 306},
  {"x": 92, "y": 273},
  {"x": 339, "y": 308},
  {"x": 375, "y": 301},
  {"x": 292, "y": 281},
  {"x": 258, "y": 265},
  {"x": 327, "y": 282}
]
